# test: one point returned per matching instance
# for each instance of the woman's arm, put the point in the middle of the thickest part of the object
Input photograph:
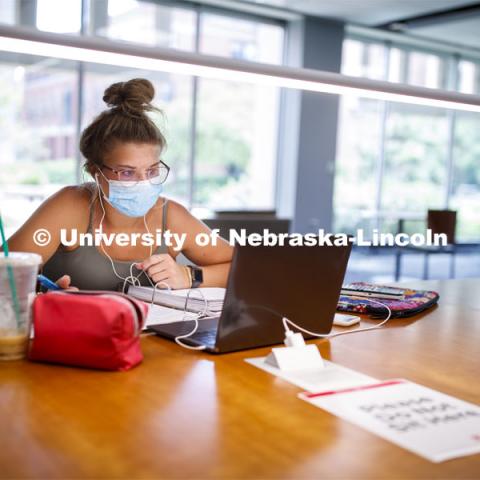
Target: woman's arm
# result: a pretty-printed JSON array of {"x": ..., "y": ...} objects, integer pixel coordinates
[
  {"x": 213, "y": 259},
  {"x": 61, "y": 210}
]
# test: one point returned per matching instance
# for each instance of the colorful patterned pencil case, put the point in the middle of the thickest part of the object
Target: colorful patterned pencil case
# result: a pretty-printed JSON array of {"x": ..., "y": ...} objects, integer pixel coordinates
[{"x": 414, "y": 301}]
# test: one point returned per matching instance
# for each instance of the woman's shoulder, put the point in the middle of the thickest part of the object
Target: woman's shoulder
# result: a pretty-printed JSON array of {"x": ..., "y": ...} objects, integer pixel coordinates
[
  {"x": 74, "y": 195},
  {"x": 68, "y": 205},
  {"x": 67, "y": 208},
  {"x": 168, "y": 212}
]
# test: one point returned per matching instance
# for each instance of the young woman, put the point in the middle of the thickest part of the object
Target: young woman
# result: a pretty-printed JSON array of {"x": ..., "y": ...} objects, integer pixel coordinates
[{"x": 123, "y": 149}]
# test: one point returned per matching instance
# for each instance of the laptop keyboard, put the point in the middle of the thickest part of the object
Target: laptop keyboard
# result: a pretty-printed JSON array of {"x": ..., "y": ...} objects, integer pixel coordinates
[{"x": 207, "y": 337}]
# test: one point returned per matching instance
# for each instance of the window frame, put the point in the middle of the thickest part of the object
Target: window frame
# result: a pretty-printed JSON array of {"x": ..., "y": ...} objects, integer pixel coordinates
[
  {"x": 198, "y": 10},
  {"x": 452, "y": 58}
]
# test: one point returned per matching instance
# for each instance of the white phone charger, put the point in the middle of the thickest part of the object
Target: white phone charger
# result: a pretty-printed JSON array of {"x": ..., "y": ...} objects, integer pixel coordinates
[
  {"x": 341, "y": 320},
  {"x": 296, "y": 355}
]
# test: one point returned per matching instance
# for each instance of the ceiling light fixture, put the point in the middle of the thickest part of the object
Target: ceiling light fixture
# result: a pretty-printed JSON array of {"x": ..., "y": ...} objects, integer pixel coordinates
[{"x": 104, "y": 51}]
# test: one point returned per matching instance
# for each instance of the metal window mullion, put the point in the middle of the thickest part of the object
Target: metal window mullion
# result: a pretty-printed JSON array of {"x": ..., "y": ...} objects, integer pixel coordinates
[
  {"x": 80, "y": 94},
  {"x": 193, "y": 143},
  {"x": 452, "y": 117},
  {"x": 78, "y": 129},
  {"x": 280, "y": 126},
  {"x": 453, "y": 77},
  {"x": 383, "y": 141},
  {"x": 193, "y": 119},
  {"x": 385, "y": 115},
  {"x": 406, "y": 66}
]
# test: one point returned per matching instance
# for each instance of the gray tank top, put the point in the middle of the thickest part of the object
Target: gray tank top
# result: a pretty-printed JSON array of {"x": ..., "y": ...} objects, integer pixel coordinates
[{"x": 91, "y": 270}]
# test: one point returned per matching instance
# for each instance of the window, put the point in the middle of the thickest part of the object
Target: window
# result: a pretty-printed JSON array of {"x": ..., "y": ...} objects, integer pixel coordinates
[
  {"x": 417, "y": 68},
  {"x": 469, "y": 77},
  {"x": 8, "y": 12},
  {"x": 415, "y": 159},
  {"x": 465, "y": 194},
  {"x": 364, "y": 59},
  {"x": 394, "y": 157},
  {"x": 234, "y": 156},
  {"x": 33, "y": 127},
  {"x": 415, "y": 149},
  {"x": 426, "y": 70},
  {"x": 397, "y": 71},
  {"x": 358, "y": 140},
  {"x": 145, "y": 22},
  {"x": 66, "y": 19},
  {"x": 239, "y": 38},
  {"x": 236, "y": 146},
  {"x": 358, "y": 147}
]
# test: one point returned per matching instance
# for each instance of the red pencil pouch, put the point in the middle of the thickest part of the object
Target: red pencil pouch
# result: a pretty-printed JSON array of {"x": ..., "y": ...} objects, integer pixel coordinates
[{"x": 94, "y": 329}]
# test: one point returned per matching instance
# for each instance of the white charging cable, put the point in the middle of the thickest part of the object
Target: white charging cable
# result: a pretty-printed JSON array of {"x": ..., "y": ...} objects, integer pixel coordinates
[
  {"x": 196, "y": 316},
  {"x": 288, "y": 332},
  {"x": 131, "y": 279},
  {"x": 134, "y": 280}
]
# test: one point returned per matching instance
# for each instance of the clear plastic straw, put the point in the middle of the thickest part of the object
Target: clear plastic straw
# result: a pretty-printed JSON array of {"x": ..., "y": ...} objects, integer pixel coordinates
[{"x": 11, "y": 278}]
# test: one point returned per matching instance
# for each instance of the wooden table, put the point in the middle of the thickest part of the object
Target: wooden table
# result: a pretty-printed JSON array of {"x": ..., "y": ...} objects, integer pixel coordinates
[{"x": 185, "y": 414}]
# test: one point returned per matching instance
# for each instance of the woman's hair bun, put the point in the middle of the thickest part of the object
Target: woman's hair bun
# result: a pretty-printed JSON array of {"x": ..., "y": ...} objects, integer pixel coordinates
[{"x": 134, "y": 96}]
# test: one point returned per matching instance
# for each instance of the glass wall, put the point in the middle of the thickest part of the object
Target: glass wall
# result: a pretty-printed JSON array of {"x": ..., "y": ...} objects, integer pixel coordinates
[
  {"x": 359, "y": 139},
  {"x": 144, "y": 22},
  {"x": 469, "y": 77},
  {"x": 67, "y": 17},
  {"x": 8, "y": 12},
  {"x": 465, "y": 190},
  {"x": 37, "y": 130},
  {"x": 220, "y": 157},
  {"x": 415, "y": 159},
  {"x": 397, "y": 160},
  {"x": 235, "y": 152}
]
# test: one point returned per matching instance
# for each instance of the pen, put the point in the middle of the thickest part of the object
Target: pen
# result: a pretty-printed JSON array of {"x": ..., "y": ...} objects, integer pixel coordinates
[{"x": 47, "y": 283}]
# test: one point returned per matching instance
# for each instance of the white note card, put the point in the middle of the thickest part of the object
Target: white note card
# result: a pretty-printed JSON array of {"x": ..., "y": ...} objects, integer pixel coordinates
[{"x": 428, "y": 423}]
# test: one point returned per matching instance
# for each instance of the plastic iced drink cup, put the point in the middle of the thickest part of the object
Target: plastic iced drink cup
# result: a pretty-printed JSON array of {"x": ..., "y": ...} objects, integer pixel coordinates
[{"x": 15, "y": 311}]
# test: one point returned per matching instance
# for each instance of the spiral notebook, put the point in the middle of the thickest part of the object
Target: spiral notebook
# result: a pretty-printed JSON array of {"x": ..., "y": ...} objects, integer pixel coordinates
[{"x": 177, "y": 298}]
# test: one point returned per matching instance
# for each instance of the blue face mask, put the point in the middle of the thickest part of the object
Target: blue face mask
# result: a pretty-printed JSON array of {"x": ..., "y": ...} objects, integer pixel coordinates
[{"x": 133, "y": 200}]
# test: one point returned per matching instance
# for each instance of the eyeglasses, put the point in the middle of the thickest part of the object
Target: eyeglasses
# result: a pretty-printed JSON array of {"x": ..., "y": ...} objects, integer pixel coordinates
[{"x": 155, "y": 175}]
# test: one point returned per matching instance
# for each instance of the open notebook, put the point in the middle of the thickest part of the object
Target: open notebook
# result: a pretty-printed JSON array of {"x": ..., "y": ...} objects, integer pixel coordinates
[
  {"x": 176, "y": 298},
  {"x": 158, "y": 315}
]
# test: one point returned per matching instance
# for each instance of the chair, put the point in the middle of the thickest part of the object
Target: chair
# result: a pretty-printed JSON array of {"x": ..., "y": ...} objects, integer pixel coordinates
[
  {"x": 439, "y": 222},
  {"x": 251, "y": 221}
]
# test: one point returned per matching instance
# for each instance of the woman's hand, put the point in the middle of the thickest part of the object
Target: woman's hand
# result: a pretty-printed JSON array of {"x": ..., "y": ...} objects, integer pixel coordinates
[
  {"x": 164, "y": 268},
  {"x": 64, "y": 283}
]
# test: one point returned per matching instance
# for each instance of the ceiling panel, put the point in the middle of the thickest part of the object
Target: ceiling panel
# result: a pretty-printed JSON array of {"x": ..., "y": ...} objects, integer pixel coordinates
[
  {"x": 464, "y": 32},
  {"x": 365, "y": 12}
]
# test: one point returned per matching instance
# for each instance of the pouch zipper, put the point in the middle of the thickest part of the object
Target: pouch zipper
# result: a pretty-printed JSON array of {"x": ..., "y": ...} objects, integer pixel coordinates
[{"x": 118, "y": 298}]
